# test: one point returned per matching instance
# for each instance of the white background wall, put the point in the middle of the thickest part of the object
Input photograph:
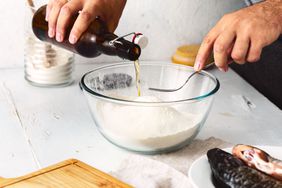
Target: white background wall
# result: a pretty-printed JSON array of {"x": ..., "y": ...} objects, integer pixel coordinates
[{"x": 167, "y": 23}]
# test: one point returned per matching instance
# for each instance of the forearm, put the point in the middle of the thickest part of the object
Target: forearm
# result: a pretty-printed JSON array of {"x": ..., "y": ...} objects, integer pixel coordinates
[{"x": 273, "y": 8}]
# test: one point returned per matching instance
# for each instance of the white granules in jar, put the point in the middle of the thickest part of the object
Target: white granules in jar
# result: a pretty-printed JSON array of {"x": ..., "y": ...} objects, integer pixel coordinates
[
  {"x": 47, "y": 65},
  {"x": 141, "y": 127}
]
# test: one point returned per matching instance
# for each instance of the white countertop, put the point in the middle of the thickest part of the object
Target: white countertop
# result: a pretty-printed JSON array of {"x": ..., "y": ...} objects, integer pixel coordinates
[{"x": 43, "y": 126}]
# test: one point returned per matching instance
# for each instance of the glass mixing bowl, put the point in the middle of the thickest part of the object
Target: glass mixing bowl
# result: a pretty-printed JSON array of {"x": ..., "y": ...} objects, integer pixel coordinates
[{"x": 155, "y": 122}]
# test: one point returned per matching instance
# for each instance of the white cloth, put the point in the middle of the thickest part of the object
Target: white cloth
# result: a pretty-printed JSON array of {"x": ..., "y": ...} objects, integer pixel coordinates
[
  {"x": 166, "y": 170},
  {"x": 140, "y": 172}
]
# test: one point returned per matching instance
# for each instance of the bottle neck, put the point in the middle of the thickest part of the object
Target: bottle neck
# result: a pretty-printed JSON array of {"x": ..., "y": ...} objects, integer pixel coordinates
[
  {"x": 121, "y": 47},
  {"x": 127, "y": 50}
]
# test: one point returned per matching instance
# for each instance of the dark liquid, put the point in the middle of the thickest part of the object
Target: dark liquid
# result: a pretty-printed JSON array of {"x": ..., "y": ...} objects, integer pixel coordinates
[{"x": 93, "y": 42}]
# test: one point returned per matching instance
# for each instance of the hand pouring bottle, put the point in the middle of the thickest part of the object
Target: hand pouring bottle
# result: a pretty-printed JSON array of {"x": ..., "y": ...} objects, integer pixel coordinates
[{"x": 96, "y": 40}]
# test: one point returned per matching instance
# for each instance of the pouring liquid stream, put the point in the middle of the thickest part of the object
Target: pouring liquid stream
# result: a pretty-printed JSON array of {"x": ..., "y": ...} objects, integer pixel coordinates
[{"x": 137, "y": 76}]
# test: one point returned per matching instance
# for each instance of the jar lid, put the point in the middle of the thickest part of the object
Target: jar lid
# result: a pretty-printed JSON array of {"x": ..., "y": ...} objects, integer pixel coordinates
[
  {"x": 188, "y": 50},
  {"x": 186, "y": 55}
]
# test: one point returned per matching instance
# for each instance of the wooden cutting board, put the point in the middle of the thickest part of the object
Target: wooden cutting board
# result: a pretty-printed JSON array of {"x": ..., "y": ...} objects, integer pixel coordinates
[{"x": 67, "y": 174}]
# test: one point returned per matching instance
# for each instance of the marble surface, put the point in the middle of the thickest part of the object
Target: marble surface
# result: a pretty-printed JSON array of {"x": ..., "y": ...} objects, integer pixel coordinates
[{"x": 42, "y": 126}]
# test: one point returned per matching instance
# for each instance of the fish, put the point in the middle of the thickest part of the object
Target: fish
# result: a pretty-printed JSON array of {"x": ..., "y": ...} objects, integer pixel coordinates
[
  {"x": 229, "y": 171},
  {"x": 259, "y": 159}
]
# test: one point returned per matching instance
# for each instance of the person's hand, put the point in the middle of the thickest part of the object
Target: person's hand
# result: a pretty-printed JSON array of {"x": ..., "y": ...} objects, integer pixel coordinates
[
  {"x": 241, "y": 36},
  {"x": 59, "y": 12}
]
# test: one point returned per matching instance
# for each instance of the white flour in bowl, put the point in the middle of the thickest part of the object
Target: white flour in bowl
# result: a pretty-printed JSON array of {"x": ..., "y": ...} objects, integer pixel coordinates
[{"x": 141, "y": 127}]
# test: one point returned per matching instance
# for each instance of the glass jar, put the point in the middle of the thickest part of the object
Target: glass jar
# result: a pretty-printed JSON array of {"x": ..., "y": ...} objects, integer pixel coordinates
[{"x": 45, "y": 65}]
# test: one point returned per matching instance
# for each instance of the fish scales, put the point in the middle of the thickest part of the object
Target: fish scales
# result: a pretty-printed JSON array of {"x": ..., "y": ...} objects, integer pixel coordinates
[{"x": 229, "y": 171}]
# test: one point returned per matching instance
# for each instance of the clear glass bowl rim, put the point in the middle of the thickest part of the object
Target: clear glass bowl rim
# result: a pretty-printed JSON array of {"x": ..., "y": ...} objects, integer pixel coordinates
[{"x": 130, "y": 102}]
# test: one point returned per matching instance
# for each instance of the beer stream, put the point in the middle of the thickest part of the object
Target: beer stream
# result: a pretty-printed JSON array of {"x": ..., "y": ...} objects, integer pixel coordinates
[{"x": 137, "y": 76}]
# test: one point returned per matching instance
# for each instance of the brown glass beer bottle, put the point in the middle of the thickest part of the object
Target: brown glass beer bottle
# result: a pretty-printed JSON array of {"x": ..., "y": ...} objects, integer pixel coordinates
[{"x": 96, "y": 40}]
